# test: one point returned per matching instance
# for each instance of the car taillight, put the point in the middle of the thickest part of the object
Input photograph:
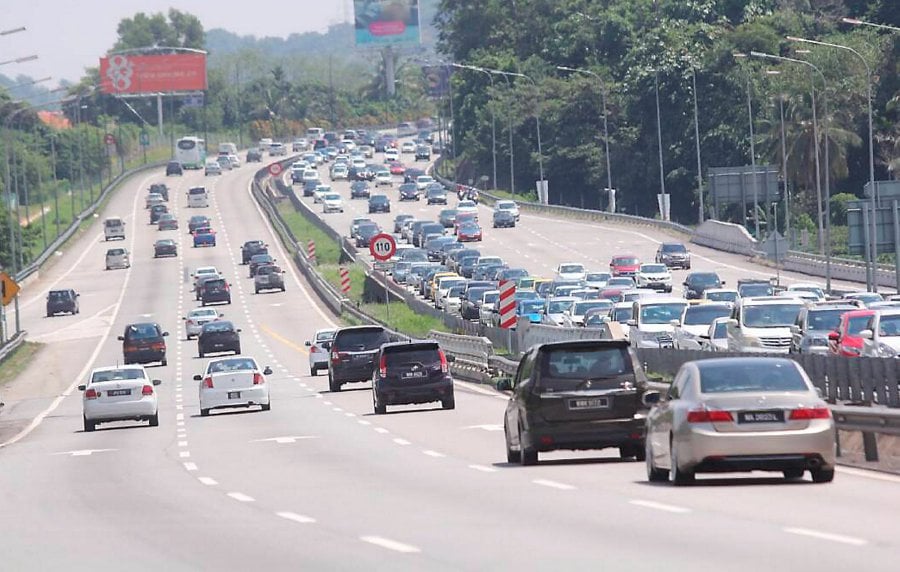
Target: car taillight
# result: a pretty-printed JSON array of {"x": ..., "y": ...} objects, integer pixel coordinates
[
  {"x": 313, "y": 349},
  {"x": 444, "y": 367},
  {"x": 708, "y": 416},
  {"x": 208, "y": 383},
  {"x": 91, "y": 394},
  {"x": 337, "y": 356},
  {"x": 158, "y": 346},
  {"x": 805, "y": 413},
  {"x": 190, "y": 322},
  {"x": 130, "y": 348},
  {"x": 147, "y": 390},
  {"x": 382, "y": 366},
  {"x": 258, "y": 379}
]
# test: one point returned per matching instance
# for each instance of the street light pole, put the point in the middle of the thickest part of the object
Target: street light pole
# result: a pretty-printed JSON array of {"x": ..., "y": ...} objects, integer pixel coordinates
[
  {"x": 662, "y": 172},
  {"x": 697, "y": 140},
  {"x": 603, "y": 94},
  {"x": 512, "y": 158},
  {"x": 874, "y": 237},
  {"x": 753, "y": 153},
  {"x": 537, "y": 117},
  {"x": 493, "y": 118}
]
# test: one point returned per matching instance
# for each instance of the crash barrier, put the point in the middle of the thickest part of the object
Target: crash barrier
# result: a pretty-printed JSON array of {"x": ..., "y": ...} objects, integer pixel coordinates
[
  {"x": 12, "y": 344},
  {"x": 471, "y": 355},
  {"x": 841, "y": 268},
  {"x": 725, "y": 236}
]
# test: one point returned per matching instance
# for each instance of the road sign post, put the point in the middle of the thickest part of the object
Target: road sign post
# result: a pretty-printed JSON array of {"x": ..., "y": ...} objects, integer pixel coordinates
[{"x": 383, "y": 247}]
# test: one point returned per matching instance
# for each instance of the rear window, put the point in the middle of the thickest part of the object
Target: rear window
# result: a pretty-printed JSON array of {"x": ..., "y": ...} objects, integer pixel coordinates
[
  {"x": 360, "y": 340},
  {"x": 698, "y": 315},
  {"x": 141, "y": 331},
  {"x": 426, "y": 355},
  {"x": 569, "y": 368},
  {"x": 750, "y": 376},
  {"x": 117, "y": 374},
  {"x": 825, "y": 319},
  {"x": 115, "y": 252},
  {"x": 197, "y": 191},
  {"x": 218, "y": 327},
  {"x": 233, "y": 364},
  {"x": 673, "y": 248},
  {"x": 59, "y": 295}
]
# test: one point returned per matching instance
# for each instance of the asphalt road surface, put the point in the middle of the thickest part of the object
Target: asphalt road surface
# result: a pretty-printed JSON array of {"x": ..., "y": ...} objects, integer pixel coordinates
[{"x": 319, "y": 482}]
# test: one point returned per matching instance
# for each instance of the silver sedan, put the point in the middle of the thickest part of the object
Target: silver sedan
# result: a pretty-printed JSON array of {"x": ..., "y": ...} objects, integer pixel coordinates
[{"x": 737, "y": 415}]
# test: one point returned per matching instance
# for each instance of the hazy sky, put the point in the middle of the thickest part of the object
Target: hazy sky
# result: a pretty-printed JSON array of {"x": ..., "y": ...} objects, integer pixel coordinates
[{"x": 69, "y": 35}]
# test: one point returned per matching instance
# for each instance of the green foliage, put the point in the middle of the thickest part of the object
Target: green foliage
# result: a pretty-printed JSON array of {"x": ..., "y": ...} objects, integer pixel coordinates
[
  {"x": 839, "y": 208},
  {"x": 180, "y": 30}
]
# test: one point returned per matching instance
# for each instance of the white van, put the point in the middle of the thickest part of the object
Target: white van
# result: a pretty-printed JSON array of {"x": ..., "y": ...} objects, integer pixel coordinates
[
  {"x": 227, "y": 148},
  {"x": 314, "y": 133},
  {"x": 114, "y": 228},
  {"x": 198, "y": 197}
]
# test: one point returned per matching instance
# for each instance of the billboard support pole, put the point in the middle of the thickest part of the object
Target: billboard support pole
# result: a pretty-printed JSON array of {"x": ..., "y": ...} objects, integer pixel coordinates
[
  {"x": 866, "y": 239},
  {"x": 389, "y": 76},
  {"x": 159, "y": 114},
  {"x": 896, "y": 211}
]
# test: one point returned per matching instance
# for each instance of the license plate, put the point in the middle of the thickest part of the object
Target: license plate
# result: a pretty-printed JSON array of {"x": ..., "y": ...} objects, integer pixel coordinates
[
  {"x": 413, "y": 374},
  {"x": 362, "y": 358},
  {"x": 234, "y": 395},
  {"x": 592, "y": 403},
  {"x": 118, "y": 392},
  {"x": 768, "y": 416}
]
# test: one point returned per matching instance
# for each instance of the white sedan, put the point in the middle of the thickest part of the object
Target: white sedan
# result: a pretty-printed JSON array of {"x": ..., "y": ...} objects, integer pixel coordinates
[
  {"x": 119, "y": 393},
  {"x": 407, "y": 147},
  {"x": 193, "y": 322},
  {"x": 384, "y": 178},
  {"x": 233, "y": 382},
  {"x": 332, "y": 203},
  {"x": 319, "y": 348},
  {"x": 510, "y": 206}
]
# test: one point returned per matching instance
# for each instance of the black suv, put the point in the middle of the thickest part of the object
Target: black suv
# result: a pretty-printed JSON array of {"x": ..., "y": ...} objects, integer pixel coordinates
[
  {"x": 254, "y": 155},
  {"x": 423, "y": 152},
  {"x": 359, "y": 190},
  {"x": 144, "y": 343},
  {"x": 215, "y": 290},
  {"x": 697, "y": 283},
  {"x": 379, "y": 204},
  {"x": 412, "y": 372},
  {"x": 218, "y": 336},
  {"x": 353, "y": 351},
  {"x": 62, "y": 301},
  {"x": 673, "y": 255},
  {"x": 174, "y": 168},
  {"x": 252, "y": 247},
  {"x": 575, "y": 395}
]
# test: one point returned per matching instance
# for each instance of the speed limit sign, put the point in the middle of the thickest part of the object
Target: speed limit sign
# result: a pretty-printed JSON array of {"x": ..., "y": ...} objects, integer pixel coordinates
[
  {"x": 382, "y": 246},
  {"x": 275, "y": 169}
]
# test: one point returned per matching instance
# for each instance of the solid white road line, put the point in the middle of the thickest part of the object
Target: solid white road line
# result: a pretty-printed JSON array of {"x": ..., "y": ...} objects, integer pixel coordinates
[
  {"x": 434, "y": 454},
  {"x": 207, "y": 481},
  {"x": 390, "y": 544},
  {"x": 241, "y": 497},
  {"x": 553, "y": 484},
  {"x": 483, "y": 468},
  {"x": 659, "y": 506},
  {"x": 294, "y": 517},
  {"x": 827, "y": 536}
]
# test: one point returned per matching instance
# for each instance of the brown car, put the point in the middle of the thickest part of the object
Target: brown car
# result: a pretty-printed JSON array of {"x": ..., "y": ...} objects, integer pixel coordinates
[{"x": 575, "y": 395}]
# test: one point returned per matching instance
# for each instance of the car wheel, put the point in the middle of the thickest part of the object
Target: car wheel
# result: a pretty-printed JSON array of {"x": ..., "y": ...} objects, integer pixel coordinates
[
  {"x": 282, "y": 288},
  {"x": 164, "y": 363},
  {"x": 449, "y": 402},
  {"x": 266, "y": 406},
  {"x": 154, "y": 420},
  {"x": 313, "y": 371},
  {"x": 237, "y": 350},
  {"x": 200, "y": 353},
  {"x": 378, "y": 405},
  {"x": 822, "y": 475},
  {"x": 511, "y": 456},
  {"x": 679, "y": 477},
  {"x": 654, "y": 475},
  {"x": 333, "y": 385},
  {"x": 527, "y": 457},
  {"x": 89, "y": 425},
  {"x": 793, "y": 474},
  {"x": 204, "y": 413}
]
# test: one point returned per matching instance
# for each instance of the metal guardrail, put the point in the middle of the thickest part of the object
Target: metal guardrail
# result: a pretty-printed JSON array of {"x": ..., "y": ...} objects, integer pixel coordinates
[{"x": 12, "y": 344}]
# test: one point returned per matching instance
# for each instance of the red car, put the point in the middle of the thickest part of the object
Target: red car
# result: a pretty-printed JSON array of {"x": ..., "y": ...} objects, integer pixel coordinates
[
  {"x": 624, "y": 265},
  {"x": 612, "y": 294},
  {"x": 397, "y": 168},
  {"x": 462, "y": 218},
  {"x": 468, "y": 232},
  {"x": 845, "y": 340}
]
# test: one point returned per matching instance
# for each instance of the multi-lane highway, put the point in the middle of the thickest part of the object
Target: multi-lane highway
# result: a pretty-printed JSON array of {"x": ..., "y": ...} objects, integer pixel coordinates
[{"x": 319, "y": 482}]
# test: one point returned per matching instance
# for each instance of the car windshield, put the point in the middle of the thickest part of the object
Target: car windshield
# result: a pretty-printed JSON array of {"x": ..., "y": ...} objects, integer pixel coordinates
[
  {"x": 621, "y": 315},
  {"x": 218, "y": 327},
  {"x": 233, "y": 364},
  {"x": 570, "y": 368},
  {"x": 750, "y": 376},
  {"x": 825, "y": 319},
  {"x": 506, "y": 205},
  {"x": 704, "y": 315},
  {"x": 325, "y": 336},
  {"x": 117, "y": 374},
  {"x": 115, "y": 251},
  {"x": 889, "y": 326},
  {"x": 165, "y": 242},
  {"x": 811, "y": 289},
  {"x": 570, "y": 268},
  {"x": 653, "y": 268},
  {"x": 620, "y": 281},
  {"x": 143, "y": 331},
  {"x": 598, "y": 276},
  {"x": 661, "y": 313},
  {"x": 705, "y": 279},
  {"x": 530, "y": 306},
  {"x": 368, "y": 339},
  {"x": 491, "y": 297},
  {"x": 721, "y": 296},
  {"x": 202, "y": 313},
  {"x": 673, "y": 248},
  {"x": 771, "y": 315},
  {"x": 750, "y": 290},
  {"x": 580, "y": 308}
]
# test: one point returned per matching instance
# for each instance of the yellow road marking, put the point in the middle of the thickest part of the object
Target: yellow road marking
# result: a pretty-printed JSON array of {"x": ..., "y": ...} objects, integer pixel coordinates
[{"x": 284, "y": 340}]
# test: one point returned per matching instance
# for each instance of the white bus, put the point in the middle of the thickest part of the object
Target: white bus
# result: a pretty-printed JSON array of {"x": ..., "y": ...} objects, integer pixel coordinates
[{"x": 191, "y": 152}]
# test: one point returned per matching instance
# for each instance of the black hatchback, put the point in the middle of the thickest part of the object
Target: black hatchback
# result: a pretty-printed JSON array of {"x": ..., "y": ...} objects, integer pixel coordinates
[
  {"x": 575, "y": 395},
  {"x": 353, "y": 351},
  {"x": 174, "y": 168},
  {"x": 379, "y": 204},
  {"x": 144, "y": 343},
  {"x": 252, "y": 247},
  {"x": 412, "y": 372},
  {"x": 218, "y": 336},
  {"x": 62, "y": 301}
]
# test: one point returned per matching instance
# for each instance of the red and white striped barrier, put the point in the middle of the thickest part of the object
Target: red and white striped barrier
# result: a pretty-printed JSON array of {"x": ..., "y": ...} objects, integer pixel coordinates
[
  {"x": 507, "y": 304},
  {"x": 345, "y": 280},
  {"x": 311, "y": 250}
]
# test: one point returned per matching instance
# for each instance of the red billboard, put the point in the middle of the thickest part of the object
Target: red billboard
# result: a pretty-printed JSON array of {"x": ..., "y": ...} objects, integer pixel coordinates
[{"x": 133, "y": 74}]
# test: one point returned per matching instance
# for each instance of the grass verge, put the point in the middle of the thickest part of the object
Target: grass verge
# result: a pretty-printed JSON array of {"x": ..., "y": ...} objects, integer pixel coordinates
[
  {"x": 17, "y": 361},
  {"x": 327, "y": 250}
]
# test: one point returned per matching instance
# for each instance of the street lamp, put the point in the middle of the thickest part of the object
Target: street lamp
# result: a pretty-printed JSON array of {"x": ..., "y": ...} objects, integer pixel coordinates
[
  {"x": 603, "y": 94},
  {"x": 28, "y": 83},
  {"x": 858, "y": 22},
  {"x": 12, "y": 31},
  {"x": 21, "y": 60},
  {"x": 697, "y": 141},
  {"x": 827, "y": 214},
  {"x": 662, "y": 172},
  {"x": 784, "y": 174},
  {"x": 493, "y": 119},
  {"x": 873, "y": 243},
  {"x": 752, "y": 151},
  {"x": 537, "y": 117}
]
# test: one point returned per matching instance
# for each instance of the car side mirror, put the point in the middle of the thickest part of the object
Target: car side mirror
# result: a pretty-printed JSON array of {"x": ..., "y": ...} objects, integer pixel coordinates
[
  {"x": 267, "y": 371},
  {"x": 733, "y": 322},
  {"x": 308, "y": 343},
  {"x": 504, "y": 384},
  {"x": 674, "y": 323},
  {"x": 121, "y": 338},
  {"x": 631, "y": 323},
  {"x": 82, "y": 387},
  {"x": 165, "y": 334},
  {"x": 867, "y": 334},
  {"x": 221, "y": 315},
  {"x": 834, "y": 336},
  {"x": 722, "y": 282},
  {"x": 684, "y": 283},
  {"x": 451, "y": 358},
  {"x": 795, "y": 329},
  {"x": 650, "y": 398},
  {"x": 157, "y": 382},
  {"x": 198, "y": 377},
  {"x": 238, "y": 330}
]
